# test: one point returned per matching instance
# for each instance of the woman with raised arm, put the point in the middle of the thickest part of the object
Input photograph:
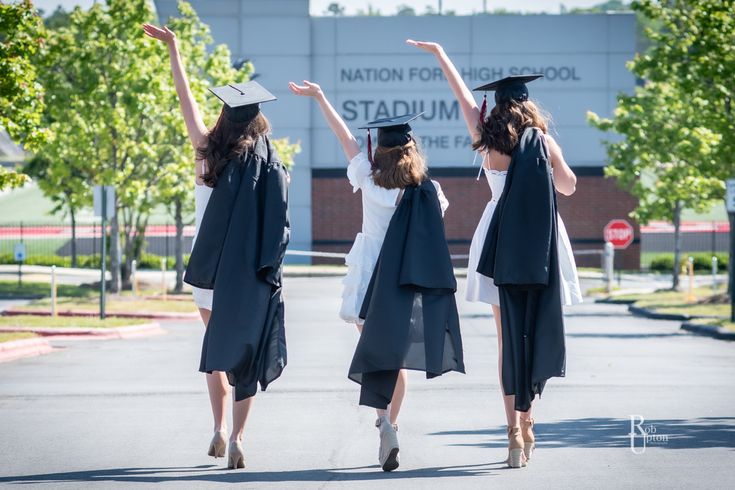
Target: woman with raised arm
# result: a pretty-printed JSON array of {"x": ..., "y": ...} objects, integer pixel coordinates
[
  {"x": 240, "y": 238},
  {"x": 505, "y": 136},
  {"x": 396, "y": 333}
]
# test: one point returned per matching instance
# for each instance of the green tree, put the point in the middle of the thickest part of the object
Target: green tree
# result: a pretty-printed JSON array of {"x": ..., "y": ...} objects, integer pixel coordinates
[
  {"x": 663, "y": 159},
  {"x": 694, "y": 48},
  {"x": 21, "y": 95},
  {"x": 335, "y": 9},
  {"x": 104, "y": 93},
  {"x": 404, "y": 9}
]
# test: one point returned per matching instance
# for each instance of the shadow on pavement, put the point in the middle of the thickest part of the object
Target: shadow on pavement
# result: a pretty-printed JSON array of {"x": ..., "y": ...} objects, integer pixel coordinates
[
  {"x": 212, "y": 473},
  {"x": 706, "y": 432}
]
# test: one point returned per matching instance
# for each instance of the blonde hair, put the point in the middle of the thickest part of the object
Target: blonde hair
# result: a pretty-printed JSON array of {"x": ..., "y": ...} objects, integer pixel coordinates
[{"x": 399, "y": 166}]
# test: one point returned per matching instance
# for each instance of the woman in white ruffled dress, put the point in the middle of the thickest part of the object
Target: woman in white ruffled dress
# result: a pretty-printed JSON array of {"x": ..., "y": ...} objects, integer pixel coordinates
[
  {"x": 495, "y": 167},
  {"x": 380, "y": 198}
]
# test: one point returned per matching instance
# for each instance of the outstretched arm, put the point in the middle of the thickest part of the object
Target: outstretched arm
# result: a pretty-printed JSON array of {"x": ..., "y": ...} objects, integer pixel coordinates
[
  {"x": 463, "y": 94},
  {"x": 340, "y": 129},
  {"x": 193, "y": 119}
]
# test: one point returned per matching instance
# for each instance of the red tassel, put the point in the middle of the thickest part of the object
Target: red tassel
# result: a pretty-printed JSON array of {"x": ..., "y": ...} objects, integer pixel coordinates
[
  {"x": 483, "y": 110},
  {"x": 370, "y": 148}
]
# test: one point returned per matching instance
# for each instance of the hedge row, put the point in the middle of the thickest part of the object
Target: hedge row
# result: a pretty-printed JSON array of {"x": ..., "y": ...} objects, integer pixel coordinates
[
  {"x": 702, "y": 261},
  {"x": 147, "y": 261}
]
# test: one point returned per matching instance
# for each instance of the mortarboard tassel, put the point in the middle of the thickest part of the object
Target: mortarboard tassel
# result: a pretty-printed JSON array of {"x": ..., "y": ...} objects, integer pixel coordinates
[
  {"x": 483, "y": 110},
  {"x": 370, "y": 148}
]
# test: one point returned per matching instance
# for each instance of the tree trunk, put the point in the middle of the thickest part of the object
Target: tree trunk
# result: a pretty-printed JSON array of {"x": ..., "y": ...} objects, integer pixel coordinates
[
  {"x": 114, "y": 252},
  {"x": 179, "y": 247},
  {"x": 677, "y": 247},
  {"x": 72, "y": 213}
]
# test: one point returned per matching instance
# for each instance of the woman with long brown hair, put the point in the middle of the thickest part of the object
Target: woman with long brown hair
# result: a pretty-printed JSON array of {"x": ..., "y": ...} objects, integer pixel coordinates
[
  {"x": 240, "y": 239},
  {"x": 388, "y": 180},
  {"x": 496, "y": 137}
]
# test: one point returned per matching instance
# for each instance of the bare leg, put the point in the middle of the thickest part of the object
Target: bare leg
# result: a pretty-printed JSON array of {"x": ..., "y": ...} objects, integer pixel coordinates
[
  {"x": 240, "y": 411},
  {"x": 218, "y": 387},
  {"x": 398, "y": 395}
]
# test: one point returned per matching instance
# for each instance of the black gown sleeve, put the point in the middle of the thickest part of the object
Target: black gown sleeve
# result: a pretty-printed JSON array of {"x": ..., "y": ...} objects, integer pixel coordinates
[{"x": 276, "y": 226}]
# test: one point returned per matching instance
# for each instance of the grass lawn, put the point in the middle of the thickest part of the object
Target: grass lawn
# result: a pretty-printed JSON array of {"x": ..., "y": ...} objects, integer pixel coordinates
[
  {"x": 675, "y": 302},
  {"x": 114, "y": 304},
  {"x": 67, "y": 321},
  {"x": 11, "y": 289},
  {"x": 8, "y": 336}
]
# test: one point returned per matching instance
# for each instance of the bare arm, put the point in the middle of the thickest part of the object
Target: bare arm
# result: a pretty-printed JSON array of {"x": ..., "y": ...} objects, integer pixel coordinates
[
  {"x": 189, "y": 109},
  {"x": 564, "y": 179},
  {"x": 336, "y": 123},
  {"x": 462, "y": 93}
]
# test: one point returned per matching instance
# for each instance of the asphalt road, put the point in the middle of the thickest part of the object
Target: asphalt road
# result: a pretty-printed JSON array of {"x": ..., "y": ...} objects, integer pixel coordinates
[{"x": 109, "y": 414}]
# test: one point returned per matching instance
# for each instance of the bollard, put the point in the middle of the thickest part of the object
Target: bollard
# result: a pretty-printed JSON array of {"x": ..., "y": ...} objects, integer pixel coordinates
[
  {"x": 53, "y": 290},
  {"x": 163, "y": 277},
  {"x": 690, "y": 269},
  {"x": 134, "y": 277},
  {"x": 714, "y": 274},
  {"x": 609, "y": 260}
]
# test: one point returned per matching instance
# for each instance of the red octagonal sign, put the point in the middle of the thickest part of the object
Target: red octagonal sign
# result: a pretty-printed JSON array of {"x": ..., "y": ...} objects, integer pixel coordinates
[{"x": 618, "y": 232}]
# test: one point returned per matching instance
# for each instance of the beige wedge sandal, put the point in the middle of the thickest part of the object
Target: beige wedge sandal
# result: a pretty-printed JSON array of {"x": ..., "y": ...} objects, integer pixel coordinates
[
  {"x": 218, "y": 445},
  {"x": 529, "y": 439},
  {"x": 516, "y": 458}
]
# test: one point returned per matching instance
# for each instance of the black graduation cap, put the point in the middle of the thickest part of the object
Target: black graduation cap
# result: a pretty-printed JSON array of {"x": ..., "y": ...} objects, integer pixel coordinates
[
  {"x": 392, "y": 131},
  {"x": 242, "y": 100},
  {"x": 508, "y": 88}
]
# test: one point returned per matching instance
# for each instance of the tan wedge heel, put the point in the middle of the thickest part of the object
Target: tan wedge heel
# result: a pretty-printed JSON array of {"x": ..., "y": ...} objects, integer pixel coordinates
[
  {"x": 236, "y": 456},
  {"x": 516, "y": 457},
  {"x": 218, "y": 445},
  {"x": 529, "y": 439}
]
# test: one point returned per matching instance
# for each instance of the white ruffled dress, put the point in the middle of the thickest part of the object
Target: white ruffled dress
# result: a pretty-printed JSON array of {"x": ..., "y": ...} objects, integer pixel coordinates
[
  {"x": 481, "y": 288},
  {"x": 378, "y": 205}
]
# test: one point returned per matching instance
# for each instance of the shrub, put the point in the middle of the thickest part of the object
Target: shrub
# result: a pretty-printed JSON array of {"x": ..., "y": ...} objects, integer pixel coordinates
[{"x": 702, "y": 261}]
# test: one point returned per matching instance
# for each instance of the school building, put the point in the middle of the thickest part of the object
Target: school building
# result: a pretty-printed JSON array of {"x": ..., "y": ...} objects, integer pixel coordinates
[{"x": 368, "y": 72}]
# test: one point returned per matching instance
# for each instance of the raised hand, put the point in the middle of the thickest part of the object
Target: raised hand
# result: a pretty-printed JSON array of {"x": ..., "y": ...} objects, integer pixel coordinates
[
  {"x": 434, "y": 48},
  {"x": 166, "y": 35},
  {"x": 308, "y": 89}
]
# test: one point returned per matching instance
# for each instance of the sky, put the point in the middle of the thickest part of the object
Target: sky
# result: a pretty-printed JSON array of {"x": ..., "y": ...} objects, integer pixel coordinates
[{"x": 388, "y": 7}]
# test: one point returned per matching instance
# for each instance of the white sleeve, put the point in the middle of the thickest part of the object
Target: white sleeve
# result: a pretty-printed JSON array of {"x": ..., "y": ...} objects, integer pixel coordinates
[
  {"x": 442, "y": 198},
  {"x": 358, "y": 170}
]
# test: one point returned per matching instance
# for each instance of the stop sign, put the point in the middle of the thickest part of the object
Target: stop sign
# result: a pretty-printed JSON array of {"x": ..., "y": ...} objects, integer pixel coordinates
[{"x": 618, "y": 232}]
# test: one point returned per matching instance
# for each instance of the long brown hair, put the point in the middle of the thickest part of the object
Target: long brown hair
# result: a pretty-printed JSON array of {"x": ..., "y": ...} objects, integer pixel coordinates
[
  {"x": 228, "y": 140},
  {"x": 398, "y": 166},
  {"x": 505, "y": 125}
]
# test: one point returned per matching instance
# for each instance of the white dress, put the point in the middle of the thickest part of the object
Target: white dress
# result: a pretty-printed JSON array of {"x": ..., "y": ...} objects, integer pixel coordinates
[
  {"x": 202, "y": 297},
  {"x": 378, "y": 205},
  {"x": 481, "y": 288}
]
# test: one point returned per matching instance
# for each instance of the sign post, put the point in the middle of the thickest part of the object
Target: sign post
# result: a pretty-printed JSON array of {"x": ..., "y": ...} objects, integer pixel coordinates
[
  {"x": 104, "y": 206},
  {"x": 730, "y": 205},
  {"x": 19, "y": 251},
  {"x": 619, "y": 233}
]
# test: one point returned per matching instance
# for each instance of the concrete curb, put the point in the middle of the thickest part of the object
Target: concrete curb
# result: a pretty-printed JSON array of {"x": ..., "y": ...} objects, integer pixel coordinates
[
  {"x": 713, "y": 331},
  {"x": 648, "y": 313},
  {"x": 146, "y": 316},
  {"x": 74, "y": 333},
  {"x": 17, "y": 349}
]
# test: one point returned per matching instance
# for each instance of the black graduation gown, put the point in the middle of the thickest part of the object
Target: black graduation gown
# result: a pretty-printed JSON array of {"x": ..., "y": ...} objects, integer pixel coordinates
[
  {"x": 520, "y": 254},
  {"x": 410, "y": 313},
  {"x": 238, "y": 253}
]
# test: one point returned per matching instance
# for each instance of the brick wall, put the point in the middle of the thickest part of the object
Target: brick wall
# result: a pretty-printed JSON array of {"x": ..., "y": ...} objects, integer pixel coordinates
[{"x": 337, "y": 212}]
